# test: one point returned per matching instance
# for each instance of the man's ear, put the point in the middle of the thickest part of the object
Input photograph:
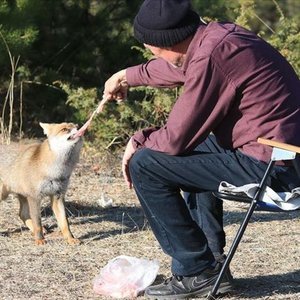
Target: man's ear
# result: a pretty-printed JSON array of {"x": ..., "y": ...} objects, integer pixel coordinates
[{"x": 45, "y": 127}]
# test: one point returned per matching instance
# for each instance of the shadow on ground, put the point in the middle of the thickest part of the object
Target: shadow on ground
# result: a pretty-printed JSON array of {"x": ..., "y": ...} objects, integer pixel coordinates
[
  {"x": 132, "y": 218},
  {"x": 268, "y": 285}
]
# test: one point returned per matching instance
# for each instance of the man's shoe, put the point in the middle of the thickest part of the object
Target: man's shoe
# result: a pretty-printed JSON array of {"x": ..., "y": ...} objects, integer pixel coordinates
[{"x": 181, "y": 287}]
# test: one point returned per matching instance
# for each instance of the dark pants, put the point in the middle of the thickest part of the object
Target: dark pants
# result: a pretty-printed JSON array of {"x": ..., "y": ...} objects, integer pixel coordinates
[
  {"x": 158, "y": 180},
  {"x": 207, "y": 211}
]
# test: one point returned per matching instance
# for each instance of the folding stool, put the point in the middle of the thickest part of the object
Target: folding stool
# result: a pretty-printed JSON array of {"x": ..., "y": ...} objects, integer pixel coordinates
[{"x": 280, "y": 152}]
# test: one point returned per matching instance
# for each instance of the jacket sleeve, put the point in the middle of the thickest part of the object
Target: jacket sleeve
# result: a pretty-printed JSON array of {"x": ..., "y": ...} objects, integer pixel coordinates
[
  {"x": 206, "y": 99},
  {"x": 155, "y": 73}
]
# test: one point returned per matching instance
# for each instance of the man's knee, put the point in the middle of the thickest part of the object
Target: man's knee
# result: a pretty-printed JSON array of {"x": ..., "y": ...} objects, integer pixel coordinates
[{"x": 141, "y": 159}]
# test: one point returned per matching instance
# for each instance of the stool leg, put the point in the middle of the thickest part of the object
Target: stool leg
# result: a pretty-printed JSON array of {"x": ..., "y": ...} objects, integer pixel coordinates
[
  {"x": 232, "y": 250},
  {"x": 241, "y": 230}
]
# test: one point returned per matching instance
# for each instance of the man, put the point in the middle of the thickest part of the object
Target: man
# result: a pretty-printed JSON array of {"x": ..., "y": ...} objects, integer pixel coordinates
[{"x": 236, "y": 86}]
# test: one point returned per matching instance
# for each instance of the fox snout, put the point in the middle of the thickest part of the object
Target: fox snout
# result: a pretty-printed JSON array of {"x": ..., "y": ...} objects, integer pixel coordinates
[{"x": 74, "y": 134}]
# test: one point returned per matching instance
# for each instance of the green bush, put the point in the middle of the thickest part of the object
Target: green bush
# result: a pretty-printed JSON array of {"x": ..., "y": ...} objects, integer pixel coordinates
[
  {"x": 287, "y": 40},
  {"x": 145, "y": 107},
  {"x": 148, "y": 107},
  {"x": 67, "y": 49}
]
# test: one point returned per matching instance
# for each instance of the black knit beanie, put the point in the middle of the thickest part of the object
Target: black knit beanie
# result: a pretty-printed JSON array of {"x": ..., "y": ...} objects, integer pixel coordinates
[{"x": 164, "y": 23}]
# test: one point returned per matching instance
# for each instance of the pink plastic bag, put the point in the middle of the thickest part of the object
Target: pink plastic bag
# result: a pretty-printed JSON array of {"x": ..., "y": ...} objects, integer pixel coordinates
[{"x": 125, "y": 276}]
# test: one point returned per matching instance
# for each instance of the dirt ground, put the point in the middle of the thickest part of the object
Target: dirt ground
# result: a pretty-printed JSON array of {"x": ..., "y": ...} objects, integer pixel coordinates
[{"x": 266, "y": 265}]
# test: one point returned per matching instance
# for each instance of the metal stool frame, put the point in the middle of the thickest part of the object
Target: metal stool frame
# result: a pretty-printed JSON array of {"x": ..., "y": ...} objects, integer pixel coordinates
[{"x": 281, "y": 151}]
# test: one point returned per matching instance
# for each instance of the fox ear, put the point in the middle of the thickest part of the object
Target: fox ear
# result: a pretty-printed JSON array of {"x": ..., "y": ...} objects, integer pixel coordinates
[{"x": 45, "y": 127}]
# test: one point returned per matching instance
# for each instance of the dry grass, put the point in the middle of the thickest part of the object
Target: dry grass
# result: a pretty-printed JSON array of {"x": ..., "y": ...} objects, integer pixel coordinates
[{"x": 266, "y": 266}]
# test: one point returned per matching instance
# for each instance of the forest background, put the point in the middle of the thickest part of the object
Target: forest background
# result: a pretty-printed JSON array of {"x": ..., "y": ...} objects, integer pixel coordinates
[{"x": 56, "y": 55}]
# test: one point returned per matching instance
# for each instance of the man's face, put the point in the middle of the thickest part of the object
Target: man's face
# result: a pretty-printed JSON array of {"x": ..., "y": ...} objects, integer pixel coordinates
[{"x": 168, "y": 54}]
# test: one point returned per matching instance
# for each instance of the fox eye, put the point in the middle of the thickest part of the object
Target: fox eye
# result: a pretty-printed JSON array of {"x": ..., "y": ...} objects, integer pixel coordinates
[{"x": 65, "y": 130}]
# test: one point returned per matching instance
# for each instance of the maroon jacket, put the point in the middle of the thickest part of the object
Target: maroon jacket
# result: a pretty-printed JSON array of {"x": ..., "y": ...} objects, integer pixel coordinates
[{"x": 235, "y": 85}]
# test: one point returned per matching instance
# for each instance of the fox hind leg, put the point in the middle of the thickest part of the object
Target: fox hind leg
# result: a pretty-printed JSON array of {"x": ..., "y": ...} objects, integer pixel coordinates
[
  {"x": 4, "y": 191},
  {"x": 24, "y": 212},
  {"x": 25, "y": 215}
]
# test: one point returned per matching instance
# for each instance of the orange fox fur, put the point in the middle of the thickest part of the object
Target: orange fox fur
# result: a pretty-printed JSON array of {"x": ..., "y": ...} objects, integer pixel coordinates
[{"x": 40, "y": 170}]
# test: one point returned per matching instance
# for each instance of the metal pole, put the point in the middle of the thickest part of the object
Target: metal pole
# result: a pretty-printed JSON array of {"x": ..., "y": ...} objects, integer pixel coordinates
[{"x": 241, "y": 230}]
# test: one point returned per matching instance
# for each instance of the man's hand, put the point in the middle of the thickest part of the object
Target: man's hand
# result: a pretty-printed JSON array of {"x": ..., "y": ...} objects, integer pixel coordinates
[
  {"x": 129, "y": 151},
  {"x": 116, "y": 87}
]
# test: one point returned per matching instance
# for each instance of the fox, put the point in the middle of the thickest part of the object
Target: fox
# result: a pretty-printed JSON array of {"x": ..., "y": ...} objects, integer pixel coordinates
[{"x": 42, "y": 170}]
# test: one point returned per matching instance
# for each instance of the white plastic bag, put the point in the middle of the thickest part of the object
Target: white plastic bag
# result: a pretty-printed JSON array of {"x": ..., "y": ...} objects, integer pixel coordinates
[{"x": 125, "y": 276}]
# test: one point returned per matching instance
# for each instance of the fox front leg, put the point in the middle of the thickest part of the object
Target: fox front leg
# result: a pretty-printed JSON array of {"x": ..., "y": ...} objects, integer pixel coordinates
[
  {"x": 58, "y": 207},
  {"x": 36, "y": 223}
]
